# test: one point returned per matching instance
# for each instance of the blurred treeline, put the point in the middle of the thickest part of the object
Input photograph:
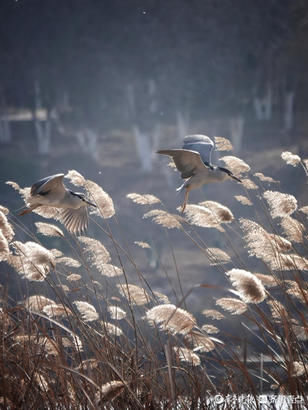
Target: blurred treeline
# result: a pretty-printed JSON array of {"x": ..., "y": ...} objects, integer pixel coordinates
[{"x": 111, "y": 60}]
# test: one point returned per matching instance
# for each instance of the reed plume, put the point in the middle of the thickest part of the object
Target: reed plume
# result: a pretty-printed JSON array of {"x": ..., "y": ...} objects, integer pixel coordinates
[
  {"x": 223, "y": 144},
  {"x": 143, "y": 199},
  {"x": 232, "y": 305},
  {"x": 243, "y": 200},
  {"x": 250, "y": 287},
  {"x": 212, "y": 314},
  {"x": 171, "y": 318},
  {"x": 87, "y": 311},
  {"x": 108, "y": 392},
  {"x": 101, "y": 199},
  {"x": 48, "y": 229},
  {"x": 167, "y": 220},
  {"x": 236, "y": 165},
  {"x": 187, "y": 355},
  {"x": 116, "y": 313},
  {"x": 281, "y": 205},
  {"x": 6, "y": 228},
  {"x": 133, "y": 293},
  {"x": 291, "y": 159}
]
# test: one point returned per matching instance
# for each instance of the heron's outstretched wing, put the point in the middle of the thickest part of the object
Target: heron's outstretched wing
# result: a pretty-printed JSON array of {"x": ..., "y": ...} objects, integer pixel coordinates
[
  {"x": 45, "y": 185},
  {"x": 187, "y": 162},
  {"x": 202, "y": 144},
  {"x": 74, "y": 220}
]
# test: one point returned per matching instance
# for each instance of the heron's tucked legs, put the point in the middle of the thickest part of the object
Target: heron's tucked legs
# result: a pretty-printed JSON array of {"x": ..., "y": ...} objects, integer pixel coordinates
[
  {"x": 185, "y": 198},
  {"x": 28, "y": 210}
]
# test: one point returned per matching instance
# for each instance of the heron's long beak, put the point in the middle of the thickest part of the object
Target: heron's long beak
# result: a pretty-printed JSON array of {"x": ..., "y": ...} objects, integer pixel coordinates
[
  {"x": 236, "y": 179},
  {"x": 90, "y": 203}
]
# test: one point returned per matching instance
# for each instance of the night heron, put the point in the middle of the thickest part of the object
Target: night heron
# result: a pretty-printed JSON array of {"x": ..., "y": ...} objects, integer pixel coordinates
[
  {"x": 194, "y": 163},
  {"x": 51, "y": 191}
]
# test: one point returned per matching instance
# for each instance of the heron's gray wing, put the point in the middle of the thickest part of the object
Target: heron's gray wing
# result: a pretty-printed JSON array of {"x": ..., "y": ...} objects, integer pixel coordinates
[
  {"x": 53, "y": 182},
  {"x": 187, "y": 162},
  {"x": 202, "y": 144},
  {"x": 74, "y": 220}
]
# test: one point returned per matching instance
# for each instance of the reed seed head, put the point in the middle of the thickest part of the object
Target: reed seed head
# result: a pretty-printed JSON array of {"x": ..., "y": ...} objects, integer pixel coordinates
[{"x": 171, "y": 318}]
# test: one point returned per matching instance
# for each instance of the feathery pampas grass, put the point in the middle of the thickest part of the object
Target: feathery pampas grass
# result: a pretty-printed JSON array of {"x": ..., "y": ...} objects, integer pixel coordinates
[
  {"x": 232, "y": 305},
  {"x": 236, "y": 165},
  {"x": 223, "y": 144},
  {"x": 171, "y": 318},
  {"x": 143, "y": 199},
  {"x": 165, "y": 219},
  {"x": 281, "y": 204},
  {"x": 250, "y": 287}
]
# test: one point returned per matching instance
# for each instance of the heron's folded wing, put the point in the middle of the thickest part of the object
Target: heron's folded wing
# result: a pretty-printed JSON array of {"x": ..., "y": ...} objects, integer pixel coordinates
[
  {"x": 53, "y": 182},
  {"x": 186, "y": 161},
  {"x": 202, "y": 144},
  {"x": 74, "y": 220}
]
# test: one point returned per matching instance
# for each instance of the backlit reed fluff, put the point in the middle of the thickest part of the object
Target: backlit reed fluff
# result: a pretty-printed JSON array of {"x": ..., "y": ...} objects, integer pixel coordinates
[
  {"x": 222, "y": 213},
  {"x": 165, "y": 219},
  {"x": 201, "y": 216},
  {"x": 116, "y": 313},
  {"x": 108, "y": 392},
  {"x": 212, "y": 314},
  {"x": 143, "y": 245},
  {"x": 223, "y": 144},
  {"x": 236, "y": 165},
  {"x": 47, "y": 229},
  {"x": 249, "y": 287},
  {"x": 200, "y": 341},
  {"x": 243, "y": 200},
  {"x": 76, "y": 178},
  {"x": 4, "y": 210},
  {"x": 187, "y": 355},
  {"x": 298, "y": 369},
  {"x": 96, "y": 193},
  {"x": 4, "y": 247},
  {"x": 264, "y": 178},
  {"x": 99, "y": 257},
  {"x": 281, "y": 204},
  {"x": 32, "y": 260},
  {"x": 134, "y": 294},
  {"x": 304, "y": 209},
  {"x": 210, "y": 329},
  {"x": 298, "y": 291},
  {"x": 95, "y": 250},
  {"x": 263, "y": 245},
  {"x": 111, "y": 329},
  {"x": 232, "y": 305},
  {"x": 293, "y": 229},
  {"x": 101, "y": 199},
  {"x": 143, "y": 199},
  {"x": 57, "y": 310},
  {"x": 36, "y": 303},
  {"x": 217, "y": 256},
  {"x": 73, "y": 277},
  {"x": 6, "y": 228},
  {"x": 160, "y": 297},
  {"x": 277, "y": 309},
  {"x": 268, "y": 281},
  {"x": 249, "y": 184},
  {"x": 291, "y": 159},
  {"x": 87, "y": 311},
  {"x": 171, "y": 318},
  {"x": 68, "y": 261}
]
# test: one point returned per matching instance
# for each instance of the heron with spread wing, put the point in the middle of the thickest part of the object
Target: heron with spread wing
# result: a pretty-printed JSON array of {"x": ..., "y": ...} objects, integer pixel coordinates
[
  {"x": 195, "y": 164},
  {"x": 51, "y": 191}
]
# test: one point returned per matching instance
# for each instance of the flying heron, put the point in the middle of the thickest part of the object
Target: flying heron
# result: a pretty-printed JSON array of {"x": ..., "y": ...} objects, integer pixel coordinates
[
  {"x": 195, "y": 164},
  {"x": 51, "y": 191}
]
